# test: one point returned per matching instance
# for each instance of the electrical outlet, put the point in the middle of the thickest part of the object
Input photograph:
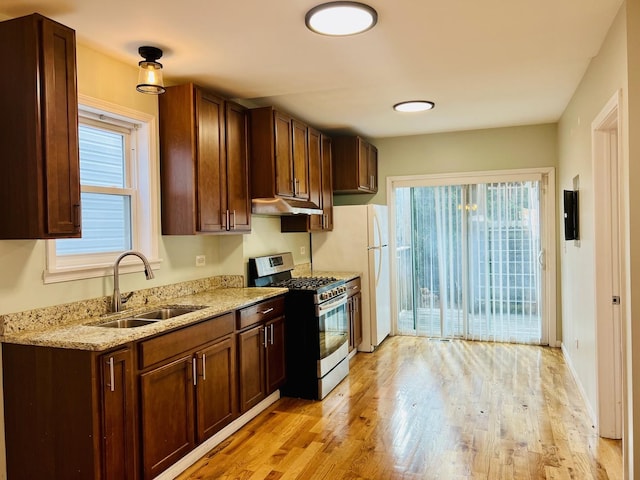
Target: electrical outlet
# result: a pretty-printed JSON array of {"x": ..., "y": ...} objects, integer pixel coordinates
[
  {"x": 302, "y": 250},
  {"x": 201, "y": 260}
]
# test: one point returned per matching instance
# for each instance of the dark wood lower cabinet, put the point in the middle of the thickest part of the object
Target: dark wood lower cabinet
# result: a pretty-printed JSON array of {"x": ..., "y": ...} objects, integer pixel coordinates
[
  {"x": 187, "y": 390},
  {"x": 216, "y": 388},
  {"x": 119, "y": 440},
  {"x": 275, "y": 353},
  {"x": 252, "y": 369},
  {"x": 132, "y": 412},
  {"x": 69, "y": 414},
  {"x": 261, "y": 351},
  {"x": 354, "y": 312},
  {"x": 167, "y": 415}
]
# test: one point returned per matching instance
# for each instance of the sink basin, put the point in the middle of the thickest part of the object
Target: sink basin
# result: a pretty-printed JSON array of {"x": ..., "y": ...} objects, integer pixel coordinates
[
  {"x": 127, "y": 323},
  {"x": 166, "y": 313}
]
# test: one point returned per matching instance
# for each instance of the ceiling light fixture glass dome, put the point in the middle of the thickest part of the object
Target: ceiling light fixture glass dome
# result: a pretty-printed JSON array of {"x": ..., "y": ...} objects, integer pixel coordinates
[
  {"x": 341, "y": 18},
  {"x": 414, "y": 106}
]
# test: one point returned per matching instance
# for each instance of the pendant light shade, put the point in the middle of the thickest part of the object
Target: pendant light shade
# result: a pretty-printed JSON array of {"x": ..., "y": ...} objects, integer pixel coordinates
[
  {"x": 341, "y": 18},
  {"x": 150, "y": 74}
]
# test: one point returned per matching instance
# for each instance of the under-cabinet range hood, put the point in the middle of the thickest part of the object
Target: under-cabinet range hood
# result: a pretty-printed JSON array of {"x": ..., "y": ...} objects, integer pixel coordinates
[{"x": 283, "y": 206}]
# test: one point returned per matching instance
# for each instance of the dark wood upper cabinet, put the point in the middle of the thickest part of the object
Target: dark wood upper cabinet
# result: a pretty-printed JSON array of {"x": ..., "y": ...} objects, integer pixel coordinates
[
  {"x": 355, "y": 166},
  {"x": 279, "y": 155},
  {"x": 320, "y": 188},
  {"x": 204, "y": 163},
  {"x": 40, "y": 181}
]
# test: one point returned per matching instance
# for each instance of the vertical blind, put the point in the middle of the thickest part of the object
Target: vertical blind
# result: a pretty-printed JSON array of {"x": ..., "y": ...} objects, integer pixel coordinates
[{"x": 467, "y": 261}]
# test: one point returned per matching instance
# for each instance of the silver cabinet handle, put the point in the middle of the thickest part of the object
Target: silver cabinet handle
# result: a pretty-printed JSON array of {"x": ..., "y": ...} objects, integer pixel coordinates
[
  {"x": 226, "y": 226},
  {"x": 204, "y": 367},
  {"x": 268, "y": 310},
  {"x": 264, "y": 337},
  {"x": 112, "y": 375},
  {"x": 271, "y": 332},
  {"x": 233, "y": 225},
  {"x": 195, "y": 371}
]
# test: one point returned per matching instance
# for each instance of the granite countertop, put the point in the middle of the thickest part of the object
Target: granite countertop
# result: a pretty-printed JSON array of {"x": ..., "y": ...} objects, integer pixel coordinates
[
  {"x": 86, "y": 334},
  {"x": 346, "y": 276}
]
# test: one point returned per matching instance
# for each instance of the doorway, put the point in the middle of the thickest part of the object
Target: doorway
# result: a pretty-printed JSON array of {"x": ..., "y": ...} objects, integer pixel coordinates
[
  {"x": 470, "y": 256},
  {"x": 608, "y": 269}
]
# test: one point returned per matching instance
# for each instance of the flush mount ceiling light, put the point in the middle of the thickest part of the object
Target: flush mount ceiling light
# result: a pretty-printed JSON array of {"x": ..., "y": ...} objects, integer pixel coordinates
[
  {"x": 341, "y": 18},
  {"x": 414, "y": 106},
  {"x": 150, "y": 75}
]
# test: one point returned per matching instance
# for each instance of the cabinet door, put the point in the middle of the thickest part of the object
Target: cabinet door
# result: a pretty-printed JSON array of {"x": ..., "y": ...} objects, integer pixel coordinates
[
  {"x": 216, "y": 387},
  {"x": 284, "y": 159},
  {"x": 327, "y": 184},
  {"x": 211, "y": 166},
  {"x": 372, "y": 167},
  {"x": 167, "y": 415},
  {"x": 238, "y": 197},
  {"x": 300, "y": 160},
  {"x": 60, "y": 103},
  {"x": 119, "y": 446},
  {"x": 364, "y": 177},
  {"x": 315, "y": 168},
  {"x": 251, "y": 345},
  {"x": 357, "y": 320},
  {"x": 276, "y": 371}
]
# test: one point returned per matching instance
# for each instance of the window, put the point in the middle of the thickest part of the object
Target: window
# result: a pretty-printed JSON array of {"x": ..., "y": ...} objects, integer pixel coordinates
[{"x": 117, "y": 194}]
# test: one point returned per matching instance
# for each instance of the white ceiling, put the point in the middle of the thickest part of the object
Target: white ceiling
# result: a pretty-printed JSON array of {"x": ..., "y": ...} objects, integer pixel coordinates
[{"x": 485, "y": 64}]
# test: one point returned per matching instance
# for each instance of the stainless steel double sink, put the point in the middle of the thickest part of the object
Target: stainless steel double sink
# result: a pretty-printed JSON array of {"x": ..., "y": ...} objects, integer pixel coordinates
[{"x": 152, "y": 316}]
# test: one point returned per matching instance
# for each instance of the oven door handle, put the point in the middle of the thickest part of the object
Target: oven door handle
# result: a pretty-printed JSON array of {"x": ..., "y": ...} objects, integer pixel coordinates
[{"x": 333, "y": 304}]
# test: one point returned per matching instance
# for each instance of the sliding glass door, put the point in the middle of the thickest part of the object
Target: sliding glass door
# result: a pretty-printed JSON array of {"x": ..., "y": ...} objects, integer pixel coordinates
[{"x": 468, "y": 261}]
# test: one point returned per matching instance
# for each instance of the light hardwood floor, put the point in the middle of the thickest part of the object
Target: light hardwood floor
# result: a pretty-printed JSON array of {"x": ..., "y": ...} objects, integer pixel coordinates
[{"x": 422, "y": 409}]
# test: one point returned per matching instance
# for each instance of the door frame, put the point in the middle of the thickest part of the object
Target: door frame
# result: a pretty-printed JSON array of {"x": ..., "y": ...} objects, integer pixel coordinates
[
  {"x": 546, "y": 175},
  {"x": 609, "y": 261}
]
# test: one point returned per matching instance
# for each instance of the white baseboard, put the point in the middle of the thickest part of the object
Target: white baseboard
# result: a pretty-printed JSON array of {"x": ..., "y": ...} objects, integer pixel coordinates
[
  {"x": 583, "y": 394},
  {"x": 201, "y": 450}
]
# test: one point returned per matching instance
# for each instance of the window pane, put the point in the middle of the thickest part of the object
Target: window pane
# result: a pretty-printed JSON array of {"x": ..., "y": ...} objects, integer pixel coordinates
[
  {"x": 106, "y": 221},
  {"x": 101, "y": 157}
]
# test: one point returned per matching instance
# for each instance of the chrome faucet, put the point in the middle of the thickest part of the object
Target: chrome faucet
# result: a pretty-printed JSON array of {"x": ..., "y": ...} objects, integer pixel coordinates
[{"x": 118, "y": 300}]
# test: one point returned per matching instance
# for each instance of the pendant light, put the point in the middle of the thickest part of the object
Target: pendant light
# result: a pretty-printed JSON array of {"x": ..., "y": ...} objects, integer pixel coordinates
[
  {"x": 341, "y": 18},
  {"x": 150, "y": 74}
]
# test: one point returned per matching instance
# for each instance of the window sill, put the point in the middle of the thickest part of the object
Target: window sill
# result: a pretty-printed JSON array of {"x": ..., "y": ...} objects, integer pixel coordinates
[{"x": 95, "y": 271}]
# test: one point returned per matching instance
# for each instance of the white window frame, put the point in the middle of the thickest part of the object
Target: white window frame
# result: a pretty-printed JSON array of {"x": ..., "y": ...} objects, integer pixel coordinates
[{"x": 144, "y": 198}]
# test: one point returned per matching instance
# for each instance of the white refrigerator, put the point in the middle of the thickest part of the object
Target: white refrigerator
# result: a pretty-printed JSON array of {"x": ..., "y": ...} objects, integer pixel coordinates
[{"x": 359, "y": 243}]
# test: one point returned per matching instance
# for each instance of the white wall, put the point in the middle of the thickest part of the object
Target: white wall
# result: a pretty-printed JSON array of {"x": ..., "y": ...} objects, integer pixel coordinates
[
  {"x": 604, "y": 77},
  {"x": 632, "y": 348}
]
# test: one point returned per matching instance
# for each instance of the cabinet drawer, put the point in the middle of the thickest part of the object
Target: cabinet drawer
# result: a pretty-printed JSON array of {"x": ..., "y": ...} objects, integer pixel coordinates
[
  {"x": 170, "y": 344},
  {"x": 260, "y": 311},
  {"x": 353, "y": 286}
]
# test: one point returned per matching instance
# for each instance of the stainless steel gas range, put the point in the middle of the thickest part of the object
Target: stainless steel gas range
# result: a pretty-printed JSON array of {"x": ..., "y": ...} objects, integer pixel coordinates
[{"x": 316, "y": 326}]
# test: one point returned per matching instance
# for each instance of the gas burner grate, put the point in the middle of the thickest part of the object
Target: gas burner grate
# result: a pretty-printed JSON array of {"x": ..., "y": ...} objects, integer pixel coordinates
[{"x": 305, "y": 283}]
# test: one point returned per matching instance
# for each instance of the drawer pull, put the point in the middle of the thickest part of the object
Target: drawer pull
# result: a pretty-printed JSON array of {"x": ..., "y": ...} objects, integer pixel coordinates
[
  {"x": 195, "y": 374},
  {"x": 112, "y": 379},
  {"x": 268, "y": 310},
  {"x": 204, "y": 367}
]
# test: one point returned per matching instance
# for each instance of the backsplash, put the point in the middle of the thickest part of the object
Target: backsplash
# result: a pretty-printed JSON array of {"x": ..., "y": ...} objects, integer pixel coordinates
[{"x": 76, "y": 311}]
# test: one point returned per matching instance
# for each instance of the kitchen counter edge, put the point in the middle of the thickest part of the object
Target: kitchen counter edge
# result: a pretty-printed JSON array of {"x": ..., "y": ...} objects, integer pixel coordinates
[{"x": 87, "y": 334}]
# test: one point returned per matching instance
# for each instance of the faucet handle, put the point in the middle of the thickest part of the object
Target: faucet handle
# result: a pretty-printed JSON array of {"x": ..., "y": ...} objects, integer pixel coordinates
[{"x": 125, "y": 298}]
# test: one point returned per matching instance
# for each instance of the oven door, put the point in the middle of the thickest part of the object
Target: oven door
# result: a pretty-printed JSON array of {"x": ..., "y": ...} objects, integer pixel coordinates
[{"x": 332, "y": 324}]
